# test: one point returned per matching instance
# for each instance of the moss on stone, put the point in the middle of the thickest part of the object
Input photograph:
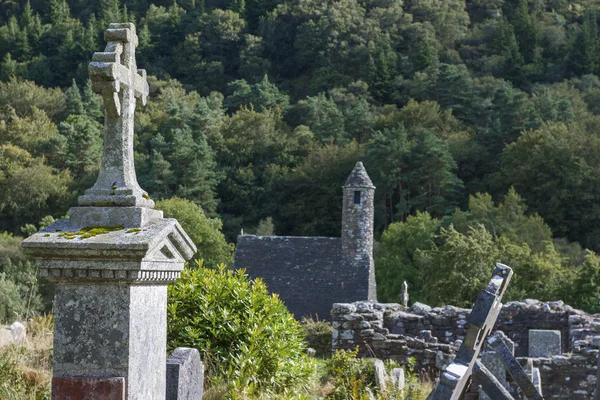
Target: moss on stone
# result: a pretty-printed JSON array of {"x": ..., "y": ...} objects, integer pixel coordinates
[
  {"x": 145, "y": 195},
  {"x": 115, "y": 187},
  {"x": 90, "y": 231},
  {"x": 46, "y": 235},
  {"x": 134, "y": 230}
]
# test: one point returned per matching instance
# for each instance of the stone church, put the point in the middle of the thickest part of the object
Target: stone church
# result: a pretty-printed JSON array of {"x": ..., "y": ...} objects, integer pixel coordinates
[{"x": 312, "y": 273}]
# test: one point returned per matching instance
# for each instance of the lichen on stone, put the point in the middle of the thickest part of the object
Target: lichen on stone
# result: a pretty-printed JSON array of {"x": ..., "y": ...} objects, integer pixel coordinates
[{"x": 90, "y": 231}]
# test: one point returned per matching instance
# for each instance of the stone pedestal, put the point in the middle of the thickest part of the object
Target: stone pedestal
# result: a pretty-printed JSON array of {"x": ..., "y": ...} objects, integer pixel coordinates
[{"x": 110, "y": 303}]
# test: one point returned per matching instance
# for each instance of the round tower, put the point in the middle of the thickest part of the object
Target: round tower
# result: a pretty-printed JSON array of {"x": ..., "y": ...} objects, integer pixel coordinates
[{"x": 357, "y": 225}]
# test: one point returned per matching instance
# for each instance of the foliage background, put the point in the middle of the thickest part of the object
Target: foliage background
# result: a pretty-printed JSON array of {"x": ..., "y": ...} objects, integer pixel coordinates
[{"x": 477, "y": 121}]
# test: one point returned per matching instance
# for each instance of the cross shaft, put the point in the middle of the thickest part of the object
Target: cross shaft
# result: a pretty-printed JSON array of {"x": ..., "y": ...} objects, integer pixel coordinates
[{"x": 115, "y": 77}]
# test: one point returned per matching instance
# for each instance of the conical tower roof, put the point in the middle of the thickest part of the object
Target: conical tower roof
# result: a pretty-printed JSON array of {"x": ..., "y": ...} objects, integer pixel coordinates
[{"x": 359, "y": 177}]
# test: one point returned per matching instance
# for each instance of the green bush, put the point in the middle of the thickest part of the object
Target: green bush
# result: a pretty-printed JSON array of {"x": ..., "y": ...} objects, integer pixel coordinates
[
  {"x": 246, "y": 336},
  {"x": 318, "y": 336}
]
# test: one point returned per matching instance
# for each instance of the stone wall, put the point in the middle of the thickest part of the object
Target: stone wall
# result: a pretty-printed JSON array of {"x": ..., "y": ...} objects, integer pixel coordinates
[{"x": 432, "y": 336}]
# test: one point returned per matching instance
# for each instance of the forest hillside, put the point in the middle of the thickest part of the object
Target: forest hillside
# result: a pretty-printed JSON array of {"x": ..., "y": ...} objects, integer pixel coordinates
[{"x": 477, "y": 120}]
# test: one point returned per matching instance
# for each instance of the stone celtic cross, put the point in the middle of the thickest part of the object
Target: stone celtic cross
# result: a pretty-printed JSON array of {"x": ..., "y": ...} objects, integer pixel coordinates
[{"x": 115, "y": 77}]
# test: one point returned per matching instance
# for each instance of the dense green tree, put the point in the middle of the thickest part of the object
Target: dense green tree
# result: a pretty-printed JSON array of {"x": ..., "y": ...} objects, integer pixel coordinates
[
  {"x": 258, "y": 108},
  {"x": 28, "y": 187},
  {"x": 449, "y": 18},
  {"x": 314, "y": 188},
  {"x": 205, "y": 232},
  {"x": 261, "y": 95},
  {"x": 395, "y": 258},
  {"x": 322, "y": 116},
  {"x": 554, "y": 169},
  {"x": 526, "y": 31},
  {"x": 257, "y": 151},
  {"x": 79, "y": 149},
  {"x": 457, "y": 269},
  {"x": 583, "y": 57}
]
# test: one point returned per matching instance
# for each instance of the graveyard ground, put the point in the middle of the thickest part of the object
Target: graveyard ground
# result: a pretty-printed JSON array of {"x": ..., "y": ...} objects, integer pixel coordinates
[{"x": 25, "y": 373}]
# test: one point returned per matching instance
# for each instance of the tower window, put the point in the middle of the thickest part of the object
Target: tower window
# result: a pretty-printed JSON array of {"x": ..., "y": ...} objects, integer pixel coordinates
[{"x": 357, "y": 197}]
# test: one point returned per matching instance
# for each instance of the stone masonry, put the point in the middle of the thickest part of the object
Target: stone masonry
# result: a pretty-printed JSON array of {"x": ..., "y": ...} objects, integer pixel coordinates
[
  {"x": 113, "y": 258},
  {"x": 432, "y": 336},
  {"x": 310, "y": 273}
]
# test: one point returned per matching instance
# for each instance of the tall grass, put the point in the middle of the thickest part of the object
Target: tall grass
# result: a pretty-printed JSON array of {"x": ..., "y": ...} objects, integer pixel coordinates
[{"x": 26, "y": 368}]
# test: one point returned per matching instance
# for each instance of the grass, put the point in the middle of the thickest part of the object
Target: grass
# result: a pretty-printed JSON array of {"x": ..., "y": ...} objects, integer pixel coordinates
[
  {"x": 25, "y": 369},
  {"x": 26, "y": 372}
]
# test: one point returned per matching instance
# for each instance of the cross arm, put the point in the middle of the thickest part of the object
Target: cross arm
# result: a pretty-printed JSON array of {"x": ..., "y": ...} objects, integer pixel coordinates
[{"x": 513, "y": 367}]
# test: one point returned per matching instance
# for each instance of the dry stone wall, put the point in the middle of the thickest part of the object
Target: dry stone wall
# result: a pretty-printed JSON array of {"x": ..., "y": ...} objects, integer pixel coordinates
[{"x": 432, "y": 336}]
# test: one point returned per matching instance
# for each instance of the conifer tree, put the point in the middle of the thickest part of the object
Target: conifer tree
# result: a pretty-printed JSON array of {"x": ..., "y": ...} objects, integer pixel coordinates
[
  {"x": 8, "y": 68},
  {"x": 583, "y": 57},
  {"x": 92, "y": 104},
  {"x": 110, "y": 11},
  {"x": 526, "y": 31},
  {"x": 59, "y": 11},
  {"x": 73, "y": 101}
]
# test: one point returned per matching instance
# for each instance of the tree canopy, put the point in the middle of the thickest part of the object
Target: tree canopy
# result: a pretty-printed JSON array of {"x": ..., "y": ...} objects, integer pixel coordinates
[{"x": 476, "y": 120}]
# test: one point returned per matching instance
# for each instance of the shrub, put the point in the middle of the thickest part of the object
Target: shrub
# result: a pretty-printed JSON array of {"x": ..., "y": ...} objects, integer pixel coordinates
[
  {"x": 245, "y": 335},
  {"x": 318, "y": 336}
]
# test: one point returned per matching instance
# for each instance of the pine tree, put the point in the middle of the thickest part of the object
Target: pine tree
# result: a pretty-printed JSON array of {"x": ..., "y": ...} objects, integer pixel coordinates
[
  {"x": 110, "y": 11},
  {"x": 454, "y": 91},
  {"x": 513, "y": 60},
  {"x": 8, "y": 68},
  {"x": 92, "y": 103},
  {"x": 583, "y": 57},
  {"x": 73, "y": 101},
  {"x": 526, "y": 31},
  {"x": 22, "y": 48},
  {"x": 26, "y": 19},
  {"x": 59, "y": 11}
]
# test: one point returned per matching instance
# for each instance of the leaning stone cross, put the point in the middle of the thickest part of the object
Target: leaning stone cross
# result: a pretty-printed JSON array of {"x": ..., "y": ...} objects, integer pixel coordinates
[
  {"x": 115, "y": 77},
  {"x": 466, "y": 369},
  {"x": 113, "y": 258}
]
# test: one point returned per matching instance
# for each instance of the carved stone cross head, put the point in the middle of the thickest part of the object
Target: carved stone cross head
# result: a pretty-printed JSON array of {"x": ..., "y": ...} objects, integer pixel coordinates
[{"x": 115, "y": 77}]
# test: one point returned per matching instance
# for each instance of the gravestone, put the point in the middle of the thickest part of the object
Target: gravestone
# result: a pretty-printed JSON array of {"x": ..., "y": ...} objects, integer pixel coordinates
[
  {"x": 185, "y": 375},
  {"x": 404, "y": 294},
  {"x": 113, "y": 258},
  {"x": 398, "y": 378},
  {"x": 18, "y": 332},
  {"x": 494, "y": 364},
  {"x": 380, "y": 375},
  {"x": 544, "y": 343}
]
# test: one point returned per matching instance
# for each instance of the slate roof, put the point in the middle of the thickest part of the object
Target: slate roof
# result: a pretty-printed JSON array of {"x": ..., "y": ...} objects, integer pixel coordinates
[
  {"x": 359, "y": 177},
  {"x": 308, "y": 273}
]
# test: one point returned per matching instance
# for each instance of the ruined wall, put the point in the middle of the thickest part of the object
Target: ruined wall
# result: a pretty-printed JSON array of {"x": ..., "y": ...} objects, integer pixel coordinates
[{"x": 432, "y": 337}]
